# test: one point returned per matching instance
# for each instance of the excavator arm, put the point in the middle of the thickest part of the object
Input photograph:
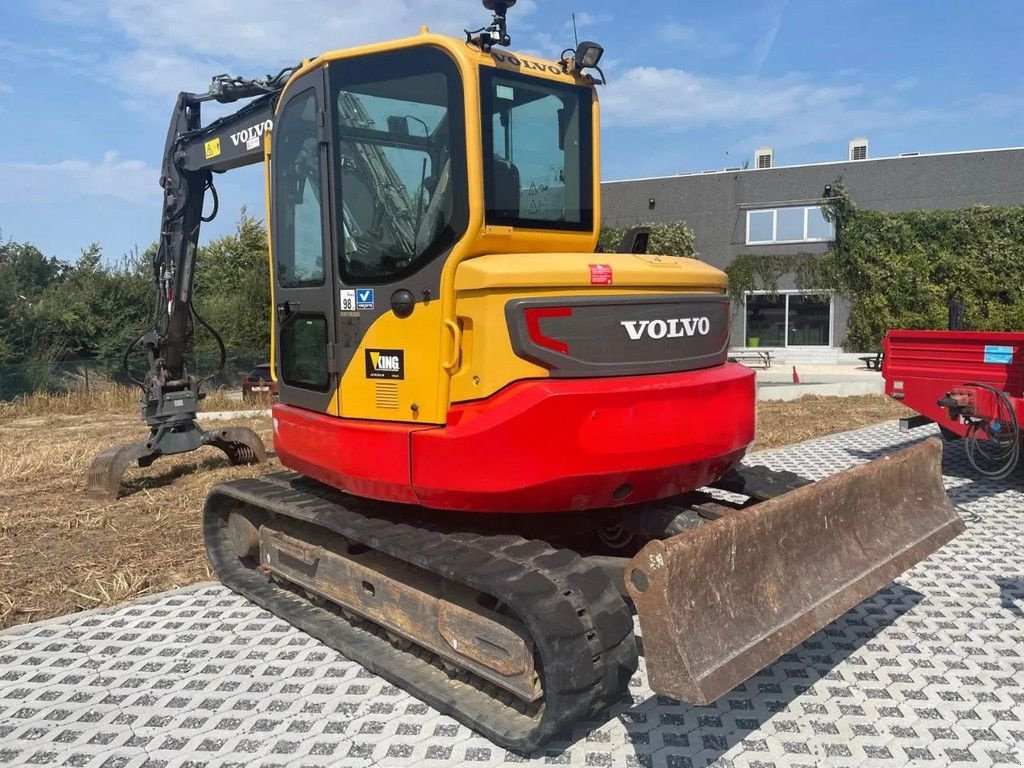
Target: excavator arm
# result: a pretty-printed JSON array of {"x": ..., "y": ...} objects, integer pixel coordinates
[{"x": 170, "y": 391}]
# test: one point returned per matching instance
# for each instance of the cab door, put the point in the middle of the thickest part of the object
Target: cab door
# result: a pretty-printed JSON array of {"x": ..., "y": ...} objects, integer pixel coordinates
[
  {"x": 398, "y": 156},
  {"x": 304, "y": 311}
]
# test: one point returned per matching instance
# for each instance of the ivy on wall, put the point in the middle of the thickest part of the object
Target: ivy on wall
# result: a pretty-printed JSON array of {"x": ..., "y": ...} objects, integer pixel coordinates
[
  {"x": 900, "y": 269},
  {"x": 762, "y": 272}
]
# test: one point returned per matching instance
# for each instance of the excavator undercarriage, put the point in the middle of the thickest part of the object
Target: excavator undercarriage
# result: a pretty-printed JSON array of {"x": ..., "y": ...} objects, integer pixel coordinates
[{"x": 521, "y": 637}]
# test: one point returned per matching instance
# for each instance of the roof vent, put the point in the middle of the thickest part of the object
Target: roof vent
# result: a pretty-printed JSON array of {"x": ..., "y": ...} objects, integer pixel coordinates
[
  {"x": 859, "y": 149},
  {"x": 764, "y": 157}
]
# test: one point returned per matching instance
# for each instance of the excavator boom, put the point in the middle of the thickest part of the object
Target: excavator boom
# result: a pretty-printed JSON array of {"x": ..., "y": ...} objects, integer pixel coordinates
[{"x": 170, "y": 392}]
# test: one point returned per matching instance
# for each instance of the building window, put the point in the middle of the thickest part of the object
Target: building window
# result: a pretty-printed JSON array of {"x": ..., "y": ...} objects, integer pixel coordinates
[
  {"x": 788, "y": 319},
  {"x": 800, "y": 224}
]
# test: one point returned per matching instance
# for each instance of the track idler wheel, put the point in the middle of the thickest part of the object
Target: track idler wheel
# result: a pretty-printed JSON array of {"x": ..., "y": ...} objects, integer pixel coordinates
[{"x": 244, "y": 534}]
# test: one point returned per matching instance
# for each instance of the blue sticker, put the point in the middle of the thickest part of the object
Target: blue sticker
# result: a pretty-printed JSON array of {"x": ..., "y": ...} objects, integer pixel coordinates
[
  {"x": 364, "y": 298},
  {"x": 998, "y": 355}
]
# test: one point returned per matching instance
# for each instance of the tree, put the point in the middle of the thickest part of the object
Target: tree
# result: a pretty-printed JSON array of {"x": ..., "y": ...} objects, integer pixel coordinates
[
  {"x": 232, "y": 290},
  {"x": 25, "y": 273},
  {"x": 96, "y": 310}
]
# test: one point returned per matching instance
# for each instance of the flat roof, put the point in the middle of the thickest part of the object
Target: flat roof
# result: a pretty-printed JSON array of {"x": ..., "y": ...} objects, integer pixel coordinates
[{"x": 904, "y": 156}]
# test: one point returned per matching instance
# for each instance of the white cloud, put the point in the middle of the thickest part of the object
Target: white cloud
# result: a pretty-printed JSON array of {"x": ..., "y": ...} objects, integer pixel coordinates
[
  {"x": 180, "y": 45},
  {"x": 905, "y": 84},
  {"x": 698, "y": 101},
  {"x": 28, "y": 55},
  {"x": 111, "y": 177},
  {"x": 707, "y": 43},
  {"x": 996, "y": 106},
  {"x": 786, "y": 111},
  {"x": 5, "y": 88},
  {"x": 763, "y": 49},
  {"x": 586, "y": 21}
]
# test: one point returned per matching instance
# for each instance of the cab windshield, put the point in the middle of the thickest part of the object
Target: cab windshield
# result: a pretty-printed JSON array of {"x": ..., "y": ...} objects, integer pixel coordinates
[
  {"x": 398, "y": 159},
  {"x": 538, "y": 152}
]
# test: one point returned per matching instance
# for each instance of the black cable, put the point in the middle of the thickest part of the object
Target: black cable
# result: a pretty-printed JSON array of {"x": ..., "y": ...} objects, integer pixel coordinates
[
  {"x": 220, "y": 345},
  {"x": 216, "y": 201},
  {"x": 1003, "y": 450},
  {"x": 124, "y": 358}
]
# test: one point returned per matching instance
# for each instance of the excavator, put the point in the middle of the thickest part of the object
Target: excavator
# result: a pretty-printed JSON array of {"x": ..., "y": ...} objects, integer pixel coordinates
[{"x": 501, "y": 441}]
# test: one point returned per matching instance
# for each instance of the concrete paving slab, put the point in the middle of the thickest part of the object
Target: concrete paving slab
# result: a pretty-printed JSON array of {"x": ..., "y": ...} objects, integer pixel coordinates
[{"x": 928, "y": 672}]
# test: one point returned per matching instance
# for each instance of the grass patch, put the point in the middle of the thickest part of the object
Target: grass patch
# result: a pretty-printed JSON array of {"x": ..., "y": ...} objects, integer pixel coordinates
[
  {"x": 61, "y": 551},
  {"x": 114, "y": 398}
]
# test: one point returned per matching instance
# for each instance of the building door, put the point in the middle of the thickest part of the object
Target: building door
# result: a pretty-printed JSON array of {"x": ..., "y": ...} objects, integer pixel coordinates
[{"x": 787, "y": 319}]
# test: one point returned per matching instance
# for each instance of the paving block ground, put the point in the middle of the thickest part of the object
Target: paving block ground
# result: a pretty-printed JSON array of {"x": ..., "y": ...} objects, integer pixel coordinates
[{"x": 928, "y": 672}]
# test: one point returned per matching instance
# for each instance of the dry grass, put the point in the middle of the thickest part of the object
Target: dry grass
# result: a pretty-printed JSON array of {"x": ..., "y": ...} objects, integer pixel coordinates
[
  {"x": 111, "y": 399},
  {"x": 782, "y": 423},
  {"x": 62, "y": 552}
]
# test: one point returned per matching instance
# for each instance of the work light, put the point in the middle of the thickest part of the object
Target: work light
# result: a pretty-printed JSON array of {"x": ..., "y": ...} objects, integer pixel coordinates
[{"x": 588, "y": 54}]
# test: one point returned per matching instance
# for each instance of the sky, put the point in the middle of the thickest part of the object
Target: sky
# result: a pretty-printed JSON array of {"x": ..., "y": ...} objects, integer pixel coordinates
[{"x": 87, "y": 87}]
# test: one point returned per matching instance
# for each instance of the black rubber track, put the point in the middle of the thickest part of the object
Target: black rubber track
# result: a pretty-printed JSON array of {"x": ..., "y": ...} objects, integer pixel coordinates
[{"x": 580, "y": 625}]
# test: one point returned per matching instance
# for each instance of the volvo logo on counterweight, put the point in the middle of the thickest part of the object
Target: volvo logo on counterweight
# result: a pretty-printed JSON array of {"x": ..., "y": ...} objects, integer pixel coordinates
[
  {"x": 385, "y": 364},
  {"x": 674, "y": 328}
]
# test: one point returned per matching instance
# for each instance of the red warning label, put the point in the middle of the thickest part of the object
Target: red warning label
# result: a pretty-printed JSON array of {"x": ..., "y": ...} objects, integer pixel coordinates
[{"x": 600, "y": 274}]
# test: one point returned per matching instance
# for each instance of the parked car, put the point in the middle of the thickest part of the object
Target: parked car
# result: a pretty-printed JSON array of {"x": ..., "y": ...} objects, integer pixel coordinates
[{"x": 258, "y": 384}]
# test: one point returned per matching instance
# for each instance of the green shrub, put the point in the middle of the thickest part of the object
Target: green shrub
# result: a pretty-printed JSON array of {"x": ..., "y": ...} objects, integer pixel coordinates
[{"x": 673, "y": 239}]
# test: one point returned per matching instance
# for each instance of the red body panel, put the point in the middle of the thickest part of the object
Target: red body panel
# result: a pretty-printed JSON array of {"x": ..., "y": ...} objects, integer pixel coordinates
[
  {"x": 922, "y": 367},
  {"x": 366, "y": 458},
  {"x": 539, "y": 446}
]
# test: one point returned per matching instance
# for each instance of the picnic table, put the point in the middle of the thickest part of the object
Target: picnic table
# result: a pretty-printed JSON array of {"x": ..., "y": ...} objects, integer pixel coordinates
[
  {"x": 872, "y": 362},
  {"x": 761, "y": 357}
]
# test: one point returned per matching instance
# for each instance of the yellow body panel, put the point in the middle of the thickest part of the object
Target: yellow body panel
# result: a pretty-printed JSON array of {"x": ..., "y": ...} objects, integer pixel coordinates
[
  {"x": 486, "y": 284},
  {"x": 539, "y": 270},
  {"x": 412, "y": 399}
]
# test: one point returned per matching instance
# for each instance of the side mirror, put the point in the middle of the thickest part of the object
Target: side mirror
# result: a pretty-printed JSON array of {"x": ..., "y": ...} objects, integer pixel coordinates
[{"x": 398, "y": 125}]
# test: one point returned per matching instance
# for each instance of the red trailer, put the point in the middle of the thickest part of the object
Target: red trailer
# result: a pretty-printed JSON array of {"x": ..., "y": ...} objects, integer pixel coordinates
[{"x": 971, "y": 383}]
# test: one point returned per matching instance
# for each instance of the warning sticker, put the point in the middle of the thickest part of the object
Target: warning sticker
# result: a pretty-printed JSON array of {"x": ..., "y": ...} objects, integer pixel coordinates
[
  {"x": 212, "y": 148},
  {"x": 600, "y": 274}
]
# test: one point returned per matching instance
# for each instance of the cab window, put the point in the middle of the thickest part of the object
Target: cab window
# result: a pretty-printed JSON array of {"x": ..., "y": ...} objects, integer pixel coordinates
[
  {"x": 537, "y": 152},
  {"x": 298, "y": 226},
  {"x": 400, "y": 162}
]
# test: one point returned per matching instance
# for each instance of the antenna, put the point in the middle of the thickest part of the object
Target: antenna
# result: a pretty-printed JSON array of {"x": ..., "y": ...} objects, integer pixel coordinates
[{"x": 575, "y": 36}]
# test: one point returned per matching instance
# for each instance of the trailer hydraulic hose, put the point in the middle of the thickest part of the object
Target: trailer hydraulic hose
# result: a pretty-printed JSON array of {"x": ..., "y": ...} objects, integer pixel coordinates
[{"x": 1003, "y": 445}]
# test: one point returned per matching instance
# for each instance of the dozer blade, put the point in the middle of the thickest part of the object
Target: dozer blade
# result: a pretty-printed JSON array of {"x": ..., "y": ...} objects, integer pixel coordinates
[{"x": 719, "y": 603}]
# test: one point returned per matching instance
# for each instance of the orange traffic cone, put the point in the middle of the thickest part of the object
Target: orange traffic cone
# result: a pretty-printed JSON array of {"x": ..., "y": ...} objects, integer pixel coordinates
[{"x": 796, "y": 376}]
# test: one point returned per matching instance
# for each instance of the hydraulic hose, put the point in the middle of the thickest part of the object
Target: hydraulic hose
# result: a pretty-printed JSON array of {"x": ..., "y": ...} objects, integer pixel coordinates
[{"x": 1002, "y": 448}]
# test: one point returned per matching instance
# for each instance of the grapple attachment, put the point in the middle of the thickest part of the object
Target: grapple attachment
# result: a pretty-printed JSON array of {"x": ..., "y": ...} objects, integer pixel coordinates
[
  {"x": 718, "y": 603},
  {"x": 103, "y": 480}
]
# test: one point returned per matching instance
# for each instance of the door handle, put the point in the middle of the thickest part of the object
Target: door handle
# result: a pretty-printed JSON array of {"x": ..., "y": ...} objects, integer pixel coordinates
[
  {"x": 286, "y": 310},
  {"x": 453, "y": 364}
]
